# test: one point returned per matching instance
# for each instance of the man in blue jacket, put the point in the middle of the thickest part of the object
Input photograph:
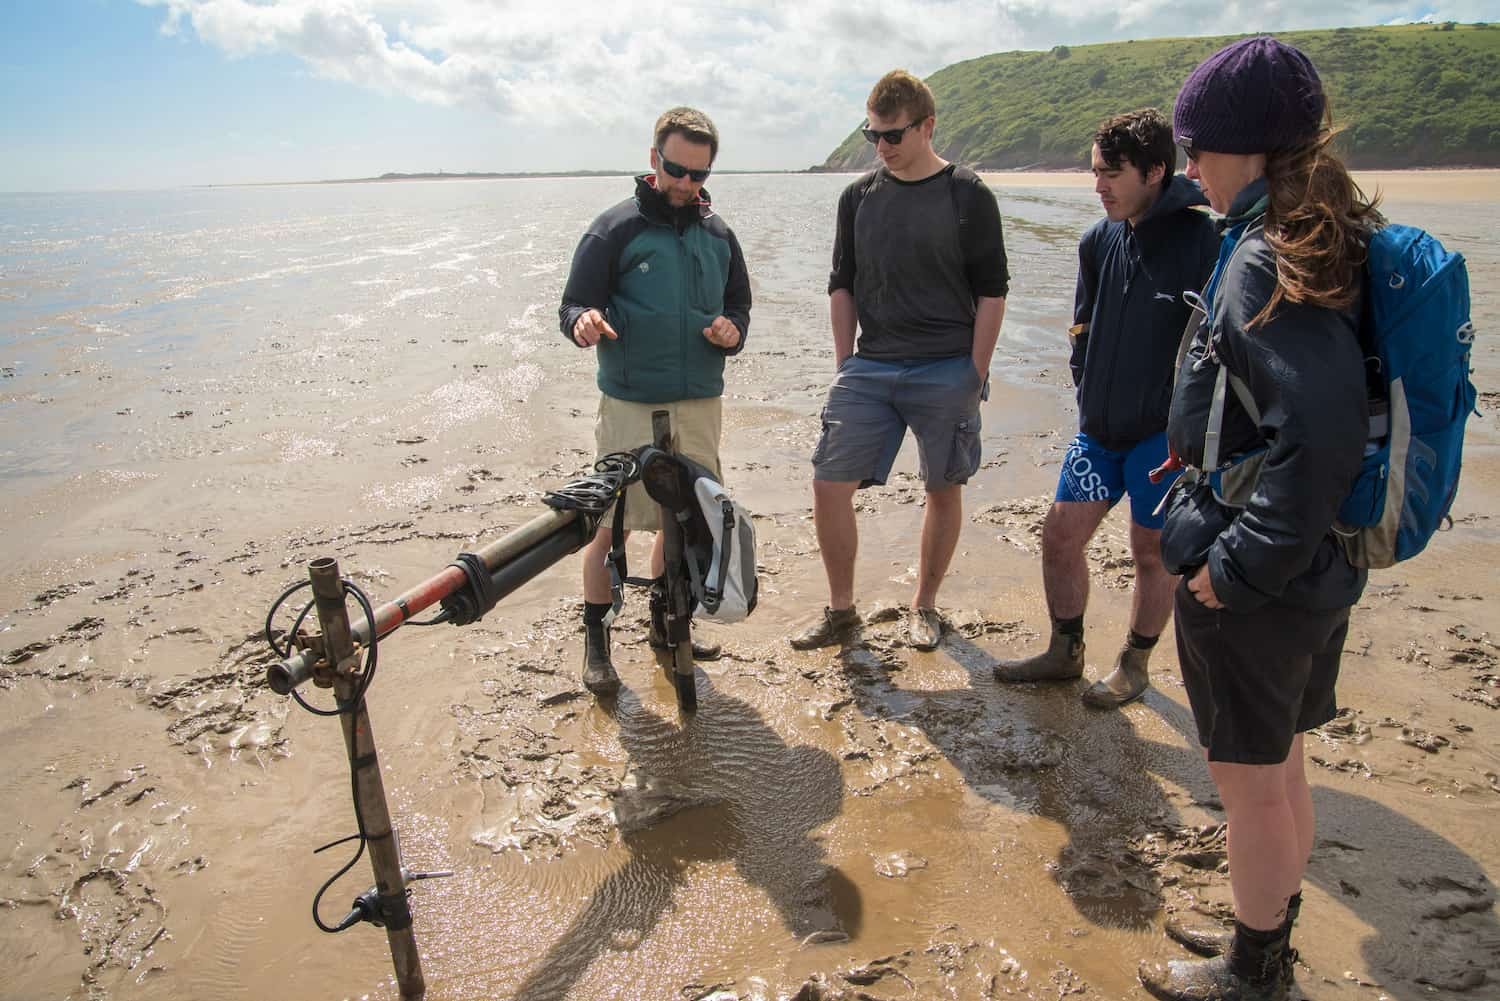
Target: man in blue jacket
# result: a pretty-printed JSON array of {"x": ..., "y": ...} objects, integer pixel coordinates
[
  {"x": 659, "y": 289},
  {"x": 1129, "y": 314}
]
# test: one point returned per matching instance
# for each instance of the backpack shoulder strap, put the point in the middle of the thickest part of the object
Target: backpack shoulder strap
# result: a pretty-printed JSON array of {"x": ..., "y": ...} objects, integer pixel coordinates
[
  {"x": 864, "y": 186},
  {"x": 619, "y": 570}
]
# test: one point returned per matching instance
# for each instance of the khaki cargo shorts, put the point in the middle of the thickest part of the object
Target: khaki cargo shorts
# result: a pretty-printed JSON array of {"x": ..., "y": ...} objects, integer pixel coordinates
[{"x": 623, "y": 425}]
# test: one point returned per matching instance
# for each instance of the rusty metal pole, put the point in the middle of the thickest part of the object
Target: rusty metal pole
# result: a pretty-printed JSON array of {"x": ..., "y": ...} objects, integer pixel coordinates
[
  {"x": 679, "y": 600},
  {"x": 359, "y": 741}
]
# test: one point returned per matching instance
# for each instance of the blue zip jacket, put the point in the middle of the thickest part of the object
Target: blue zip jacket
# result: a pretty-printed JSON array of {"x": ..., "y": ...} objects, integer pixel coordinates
[
  {"x": 659, "y": 275},
  {"x": 1128, "y": 313}
]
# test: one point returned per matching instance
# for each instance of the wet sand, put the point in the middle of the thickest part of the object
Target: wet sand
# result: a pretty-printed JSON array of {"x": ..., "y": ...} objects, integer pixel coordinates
[{"x": 871, "y": 822}]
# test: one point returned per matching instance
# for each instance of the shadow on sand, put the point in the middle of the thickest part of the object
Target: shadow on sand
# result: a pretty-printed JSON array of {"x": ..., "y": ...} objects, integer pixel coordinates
[
  {"x": 716, "y": 785},
  {"x": 1429, "y": 905}
]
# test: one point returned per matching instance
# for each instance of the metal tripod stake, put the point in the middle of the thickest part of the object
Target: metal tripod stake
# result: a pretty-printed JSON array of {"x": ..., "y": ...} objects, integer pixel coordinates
[{"x": 359, "y": 741}]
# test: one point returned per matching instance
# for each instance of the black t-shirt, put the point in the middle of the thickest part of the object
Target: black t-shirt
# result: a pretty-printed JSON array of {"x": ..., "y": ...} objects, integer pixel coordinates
[{"x": 916, "y": 255}]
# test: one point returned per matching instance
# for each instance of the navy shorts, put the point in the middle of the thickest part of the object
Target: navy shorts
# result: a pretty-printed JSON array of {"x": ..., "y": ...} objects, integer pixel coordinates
[
  {"x": 1091, "y": 472},
  {"x": 1257, "y": 679},
  {"x": 872, "y": 403}
]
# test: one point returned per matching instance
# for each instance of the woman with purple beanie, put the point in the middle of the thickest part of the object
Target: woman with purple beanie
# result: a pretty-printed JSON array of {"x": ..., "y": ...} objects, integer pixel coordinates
[{"x": 1263, "y": 606}]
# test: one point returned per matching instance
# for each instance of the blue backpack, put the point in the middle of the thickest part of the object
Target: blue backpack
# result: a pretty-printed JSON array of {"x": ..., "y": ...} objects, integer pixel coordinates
[{"x": 1416, "y": 335}]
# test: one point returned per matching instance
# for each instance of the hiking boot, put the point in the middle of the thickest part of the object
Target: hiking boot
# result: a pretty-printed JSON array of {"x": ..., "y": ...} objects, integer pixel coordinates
[
  {"x": 1216, "y": 940},
  {"x": 924, "y": 628},
  {"x": 838, "y": 625},
  {"x": 599, "y": 674},
  {"x": 1208, "y": 980},
  {"x": 1126, "y": 683},
  {"x": 1063, "y": 661},
  {"x": 1253, "y": 969}
]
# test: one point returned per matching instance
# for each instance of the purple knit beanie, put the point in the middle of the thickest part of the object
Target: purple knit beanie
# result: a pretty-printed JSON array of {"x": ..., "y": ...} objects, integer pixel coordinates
[{"x": 1256, "y": 95}]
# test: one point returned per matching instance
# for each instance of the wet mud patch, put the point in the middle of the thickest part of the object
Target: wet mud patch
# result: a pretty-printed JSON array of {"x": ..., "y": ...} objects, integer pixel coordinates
[
  {"x": 952, "y": 966},
  {"x": 229, "y": 710},
  {"x": 85, "y": 875},
  {"x": 1478, "y": 657}
]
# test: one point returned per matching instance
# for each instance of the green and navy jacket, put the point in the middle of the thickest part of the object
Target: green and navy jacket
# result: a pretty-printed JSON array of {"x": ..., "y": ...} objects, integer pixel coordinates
[{"x": 659, "y": 275}]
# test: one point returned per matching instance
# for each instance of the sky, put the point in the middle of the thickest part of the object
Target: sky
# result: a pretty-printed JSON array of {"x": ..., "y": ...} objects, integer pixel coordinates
[{"x": 127, "y": 94}]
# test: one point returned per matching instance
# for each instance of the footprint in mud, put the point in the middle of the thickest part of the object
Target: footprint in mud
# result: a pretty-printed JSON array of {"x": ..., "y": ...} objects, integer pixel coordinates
[{"x": 96, "y": 877}]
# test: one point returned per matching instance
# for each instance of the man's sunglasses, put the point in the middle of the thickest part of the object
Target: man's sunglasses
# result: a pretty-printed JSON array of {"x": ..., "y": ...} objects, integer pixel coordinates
[
  {"x": 1186, "y": 145},
  {"x": 677, "y": 170},
  {"x": 891, "y": 136}
]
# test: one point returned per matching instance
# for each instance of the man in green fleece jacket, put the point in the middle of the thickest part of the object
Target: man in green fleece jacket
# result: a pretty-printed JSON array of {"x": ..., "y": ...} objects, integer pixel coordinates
[{"x": 658, "y": 289}]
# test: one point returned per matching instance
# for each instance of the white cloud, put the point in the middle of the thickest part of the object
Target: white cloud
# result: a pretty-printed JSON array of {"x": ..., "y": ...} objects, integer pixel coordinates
[{"x": 785, "y": 81}]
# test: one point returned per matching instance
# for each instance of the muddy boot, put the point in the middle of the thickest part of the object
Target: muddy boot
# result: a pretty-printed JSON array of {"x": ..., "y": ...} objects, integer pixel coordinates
[
  {"x": 924, "y": 628},
  {"x": 656, "y": 635},
  {"x": 599, "y": 674},
  {"x": 1126, "y": 683},
  {"x": 1250, "y": 971},
  {"x": 1205, "y": 940},
  {"x": 838, "y": 625},
  {"x": 1215, "y": 940},
  {"x": 1063, "y": 661}
]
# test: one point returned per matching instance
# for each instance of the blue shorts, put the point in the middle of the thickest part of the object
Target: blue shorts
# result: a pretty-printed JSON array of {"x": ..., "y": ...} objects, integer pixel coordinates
[
  {"x": 872, "y": 403},
  {"x": 1091, "y": 472}
]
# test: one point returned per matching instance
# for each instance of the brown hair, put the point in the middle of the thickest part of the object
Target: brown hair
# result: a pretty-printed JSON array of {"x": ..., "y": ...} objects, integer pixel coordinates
[
  {"x": 1142, "y": 138},
  {"x": 693, "y": 125},
  {"x": 899, "y": 91},
  {"x": 1317, "y": 222}
]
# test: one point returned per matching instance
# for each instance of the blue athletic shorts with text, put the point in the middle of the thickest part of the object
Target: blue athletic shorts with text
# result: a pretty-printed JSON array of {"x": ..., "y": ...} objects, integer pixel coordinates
[{"x": 1091, "y": 472}]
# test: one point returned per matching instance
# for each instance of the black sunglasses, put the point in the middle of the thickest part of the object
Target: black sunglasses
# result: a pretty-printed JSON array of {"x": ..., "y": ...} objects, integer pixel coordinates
[
  {"x": 1186, "y": 145},
  {"x": 892, "y": 136},
  {"x": 677, "y": 170}
]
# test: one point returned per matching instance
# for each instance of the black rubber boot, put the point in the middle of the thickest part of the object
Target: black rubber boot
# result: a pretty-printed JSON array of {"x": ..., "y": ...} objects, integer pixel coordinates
[
  {"x": 1208, "y": 940},
  {"x": 1063, "y": 661},
  {"x": 1250, "y": 971},
  {"x": 1126, "y": 683},
  {"x": 599, "y": 674}
]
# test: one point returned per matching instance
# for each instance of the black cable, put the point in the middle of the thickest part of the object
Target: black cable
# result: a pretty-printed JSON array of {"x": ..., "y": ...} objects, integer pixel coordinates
[
  {"x": 359, "y": 853},
  {"x": 371, "y": 651},
  {"x": 593, "y": 494}
]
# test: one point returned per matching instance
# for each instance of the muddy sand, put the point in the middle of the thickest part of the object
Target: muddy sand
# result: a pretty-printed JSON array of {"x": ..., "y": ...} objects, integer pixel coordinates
[{"x": 871, "y": 822}]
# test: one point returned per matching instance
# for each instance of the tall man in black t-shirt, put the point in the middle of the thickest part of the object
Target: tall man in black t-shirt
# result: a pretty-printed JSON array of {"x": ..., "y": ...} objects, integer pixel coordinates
[{"x": 919, "y": 268}]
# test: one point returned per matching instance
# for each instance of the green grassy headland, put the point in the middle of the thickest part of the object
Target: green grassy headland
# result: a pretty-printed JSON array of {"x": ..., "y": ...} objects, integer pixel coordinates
[{"x": 1410, "y": 96}]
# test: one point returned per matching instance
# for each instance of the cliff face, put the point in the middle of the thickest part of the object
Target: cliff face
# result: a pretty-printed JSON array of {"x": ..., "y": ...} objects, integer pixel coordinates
[{"x": 1408, "y": 96}]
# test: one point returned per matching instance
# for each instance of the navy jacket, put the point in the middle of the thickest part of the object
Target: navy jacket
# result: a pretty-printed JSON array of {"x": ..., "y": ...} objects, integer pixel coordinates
[
  {"x": 659, "y": 275},
  {"x": 1306, "y": 373},
  {"x": 1129, "y": 314}
]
